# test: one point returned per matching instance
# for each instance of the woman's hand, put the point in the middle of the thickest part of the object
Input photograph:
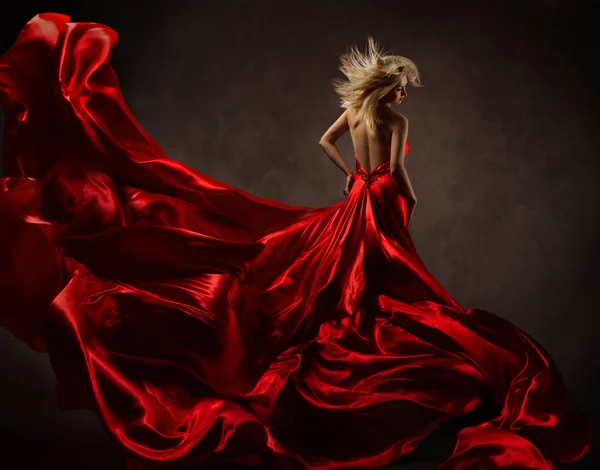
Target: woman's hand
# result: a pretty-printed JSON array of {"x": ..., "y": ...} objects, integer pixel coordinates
[
  {"x": 349, "y": 183},
  {"x": 411, "y": 203}
]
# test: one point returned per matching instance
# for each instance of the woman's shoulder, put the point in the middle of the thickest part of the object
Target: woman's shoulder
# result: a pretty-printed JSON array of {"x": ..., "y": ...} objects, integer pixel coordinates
[
  {"x": 392, "y": 117},
  {"x": 398, "y": 117},
  {"x": 350, "y": 112}
]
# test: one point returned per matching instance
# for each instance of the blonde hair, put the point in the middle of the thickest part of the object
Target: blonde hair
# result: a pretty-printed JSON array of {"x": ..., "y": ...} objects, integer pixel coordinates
[{"x": 371, "y": 76}]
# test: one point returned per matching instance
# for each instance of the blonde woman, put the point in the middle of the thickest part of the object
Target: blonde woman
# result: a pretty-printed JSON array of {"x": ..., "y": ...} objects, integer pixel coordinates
[
  {"x": 207, "y": 326},
  {"x": 379, "y": 134}
]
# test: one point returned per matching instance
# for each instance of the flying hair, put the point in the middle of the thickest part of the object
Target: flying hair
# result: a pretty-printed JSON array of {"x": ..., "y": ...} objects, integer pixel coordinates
[{"x": 371, "y": 75}]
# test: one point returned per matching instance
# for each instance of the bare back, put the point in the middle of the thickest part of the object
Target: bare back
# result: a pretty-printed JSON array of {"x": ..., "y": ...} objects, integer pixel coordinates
[{"x": 372, "y": 147}]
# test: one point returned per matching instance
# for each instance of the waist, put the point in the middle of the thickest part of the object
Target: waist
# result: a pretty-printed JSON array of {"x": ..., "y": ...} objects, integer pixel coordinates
[{"x": 370, "y": 177}]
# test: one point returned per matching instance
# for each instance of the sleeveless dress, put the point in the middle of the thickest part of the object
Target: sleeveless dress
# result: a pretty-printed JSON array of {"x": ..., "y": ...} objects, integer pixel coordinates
[{"x": 203, "y": 324}]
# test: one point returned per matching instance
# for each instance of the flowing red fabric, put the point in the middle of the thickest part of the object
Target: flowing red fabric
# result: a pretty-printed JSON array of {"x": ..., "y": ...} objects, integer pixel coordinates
[{"x": 204, "y": 324}]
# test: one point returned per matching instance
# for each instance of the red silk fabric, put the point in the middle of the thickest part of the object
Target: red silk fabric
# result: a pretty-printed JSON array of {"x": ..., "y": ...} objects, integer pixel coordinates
[{"x": 204, "y": 324}]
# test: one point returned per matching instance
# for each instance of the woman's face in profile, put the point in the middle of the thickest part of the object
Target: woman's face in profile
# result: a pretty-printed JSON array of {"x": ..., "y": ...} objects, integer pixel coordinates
[{"x": 398, "y": 93}]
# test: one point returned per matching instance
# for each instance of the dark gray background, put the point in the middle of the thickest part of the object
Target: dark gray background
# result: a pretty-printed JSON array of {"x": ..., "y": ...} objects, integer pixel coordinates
[{"x": 504, "y": 156}]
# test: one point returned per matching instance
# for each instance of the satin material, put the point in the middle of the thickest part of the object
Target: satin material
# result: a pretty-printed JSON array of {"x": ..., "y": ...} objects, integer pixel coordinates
[{"x": 205, "y": 324}]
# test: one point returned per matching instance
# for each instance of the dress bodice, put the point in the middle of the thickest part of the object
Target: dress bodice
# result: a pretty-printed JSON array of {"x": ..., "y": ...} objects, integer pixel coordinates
[{"x": 377, "y": 172}]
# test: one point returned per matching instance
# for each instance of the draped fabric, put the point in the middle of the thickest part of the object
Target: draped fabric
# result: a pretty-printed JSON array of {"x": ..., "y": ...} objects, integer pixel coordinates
[{"x": 203, "y": 324}]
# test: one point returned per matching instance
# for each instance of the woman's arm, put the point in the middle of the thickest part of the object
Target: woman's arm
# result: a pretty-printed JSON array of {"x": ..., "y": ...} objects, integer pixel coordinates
[
  {"x": 327, "y": 142},
  {"x": 397, "y": 168}
]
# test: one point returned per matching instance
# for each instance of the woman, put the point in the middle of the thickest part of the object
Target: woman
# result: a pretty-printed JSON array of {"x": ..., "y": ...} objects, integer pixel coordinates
[
  {"x": 206, "y": 325},
  {"x": 375, "y": 82}
]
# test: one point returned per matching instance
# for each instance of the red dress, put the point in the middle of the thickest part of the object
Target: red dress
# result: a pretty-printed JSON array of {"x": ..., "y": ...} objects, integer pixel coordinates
[{"x": 205, "y": 324}]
